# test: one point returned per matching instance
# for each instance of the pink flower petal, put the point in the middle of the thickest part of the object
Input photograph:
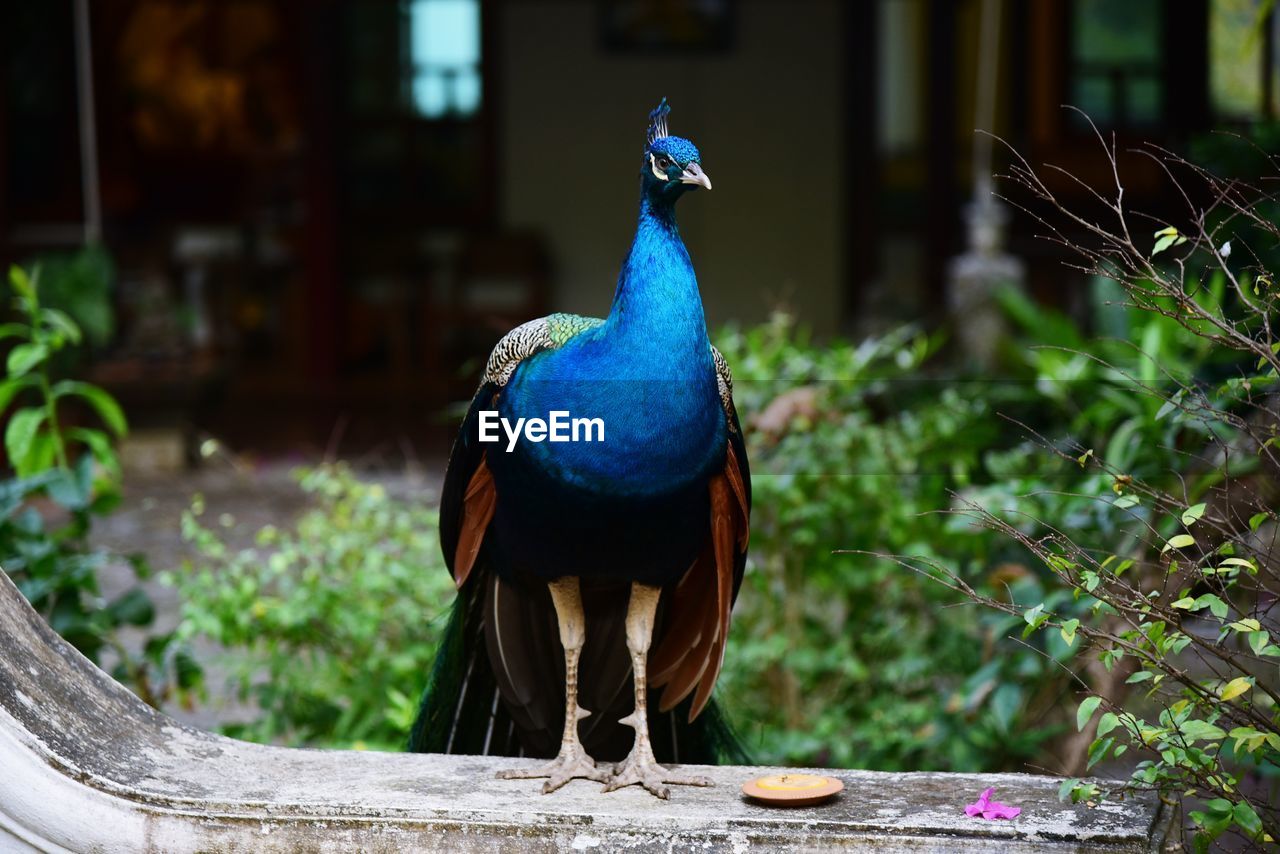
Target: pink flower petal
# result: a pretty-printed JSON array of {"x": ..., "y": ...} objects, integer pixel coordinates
[
  {"x": 989, "y": 809},
  {"x": 999, "y": 810}
]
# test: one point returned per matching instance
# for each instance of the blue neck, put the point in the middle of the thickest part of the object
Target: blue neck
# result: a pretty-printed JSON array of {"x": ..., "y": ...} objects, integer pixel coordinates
[{"x": 657, "y": 309}]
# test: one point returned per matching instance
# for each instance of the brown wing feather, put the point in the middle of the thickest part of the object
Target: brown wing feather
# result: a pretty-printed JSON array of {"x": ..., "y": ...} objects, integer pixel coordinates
[
  {"x": 695, "y": 663},
  {"x": 723, "y": 534},
  {"x": 682, "y": 623},
  {"x": 691, "y": 651},
  {"x": 710, "y": 673},
  {"x": 478, "y": 505},
  {"x": 733, "y": 472}
]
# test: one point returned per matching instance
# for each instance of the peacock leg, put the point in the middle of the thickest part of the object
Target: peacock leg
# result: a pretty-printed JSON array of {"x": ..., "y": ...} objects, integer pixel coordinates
[
  {"x": 572, "y": 762},
  {"x": 640, "y": 766}
]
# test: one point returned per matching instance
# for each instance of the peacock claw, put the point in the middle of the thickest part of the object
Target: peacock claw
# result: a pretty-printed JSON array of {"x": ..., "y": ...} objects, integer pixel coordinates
[
  {"x": 645, "y": 771},
  {"x": 571, "y": 764}
]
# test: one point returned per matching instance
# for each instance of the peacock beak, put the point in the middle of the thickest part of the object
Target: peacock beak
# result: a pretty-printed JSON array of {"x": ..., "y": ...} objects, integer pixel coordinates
[{"x": 693, "y": 174}]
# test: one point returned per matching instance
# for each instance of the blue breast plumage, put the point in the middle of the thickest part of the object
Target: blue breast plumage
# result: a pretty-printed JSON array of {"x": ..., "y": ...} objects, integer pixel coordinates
[{"x": 662, "y": 421}]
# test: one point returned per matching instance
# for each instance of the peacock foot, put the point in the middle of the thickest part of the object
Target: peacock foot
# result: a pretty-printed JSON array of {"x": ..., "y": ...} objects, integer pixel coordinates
[
  {"x": 573, "y": 763},
  {"x": 640, "y": 768}
]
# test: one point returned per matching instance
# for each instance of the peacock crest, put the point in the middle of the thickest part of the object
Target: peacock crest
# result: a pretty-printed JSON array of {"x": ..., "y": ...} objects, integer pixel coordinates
[{"x": 658, "y": 123}]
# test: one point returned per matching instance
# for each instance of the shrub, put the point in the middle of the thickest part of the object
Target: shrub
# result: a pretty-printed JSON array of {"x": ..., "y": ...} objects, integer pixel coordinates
[
  {"x": 862, "y": 449},
  {"x": 854, "y": 661},
  {"x": 1176, "y": 597},
  {"x": 66, "y": 475},
  {"x": 328, "y": 622}
]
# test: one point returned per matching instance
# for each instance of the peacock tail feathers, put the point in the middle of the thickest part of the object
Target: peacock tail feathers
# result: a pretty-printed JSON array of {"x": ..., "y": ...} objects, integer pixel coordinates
[{"x": 459, "y": 712}]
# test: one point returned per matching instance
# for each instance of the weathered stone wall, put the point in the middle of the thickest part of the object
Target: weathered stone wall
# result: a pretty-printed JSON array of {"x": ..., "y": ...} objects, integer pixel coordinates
[{"x": 85, "y": 766}]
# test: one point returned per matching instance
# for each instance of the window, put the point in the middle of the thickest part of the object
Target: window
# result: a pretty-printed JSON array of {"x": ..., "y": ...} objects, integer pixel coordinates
[
  {"x": 444, "y": 50},
  {"x": 1116, "y": 61},
  {"x": 415, "y": 138}
]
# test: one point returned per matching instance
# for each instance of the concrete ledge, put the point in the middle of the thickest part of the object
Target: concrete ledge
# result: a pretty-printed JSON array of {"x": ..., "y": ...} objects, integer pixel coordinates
[{"x": 85, "y": 766}]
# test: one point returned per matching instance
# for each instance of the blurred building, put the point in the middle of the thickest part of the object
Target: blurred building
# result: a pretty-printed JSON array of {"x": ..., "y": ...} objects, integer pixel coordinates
[{"x": 325, "y": 211}]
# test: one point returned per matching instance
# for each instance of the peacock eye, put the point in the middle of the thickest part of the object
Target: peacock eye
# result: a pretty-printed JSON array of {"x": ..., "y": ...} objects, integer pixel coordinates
[{"x": 664, "y": 163}]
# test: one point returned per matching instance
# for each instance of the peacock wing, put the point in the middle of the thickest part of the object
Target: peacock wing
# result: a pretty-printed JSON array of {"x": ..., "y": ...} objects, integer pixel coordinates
[
  {"x": 519, "y": 625},
  {"x": 469, "y": 496}
]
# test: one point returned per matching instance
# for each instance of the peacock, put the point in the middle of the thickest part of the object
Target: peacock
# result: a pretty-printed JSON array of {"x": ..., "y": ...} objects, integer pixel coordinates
[{"x": 607, "y": 566}]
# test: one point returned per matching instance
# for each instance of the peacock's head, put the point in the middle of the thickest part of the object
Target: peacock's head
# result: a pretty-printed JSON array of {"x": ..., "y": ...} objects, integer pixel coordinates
[{"x": 672, "y": 164}]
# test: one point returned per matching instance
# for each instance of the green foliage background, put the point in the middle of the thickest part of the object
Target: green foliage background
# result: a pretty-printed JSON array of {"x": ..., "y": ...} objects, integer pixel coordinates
[
  {"x": 852, "y": 659},
  {"x": 65, "y": 475},
  {"x": 331, "y": 622}
]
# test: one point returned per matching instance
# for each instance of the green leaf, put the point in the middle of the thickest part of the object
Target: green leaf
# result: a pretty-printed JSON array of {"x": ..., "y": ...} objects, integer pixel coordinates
[
  {"x": 21, "y": 283},
  {"x": 1140, "y": 676},
  {"x": 1171, "y": 404},
  {"x": 1107, "y": 722},
  {"x": 1247, "y": 737},
  {"x": 1099, "y": 750},
  {"x": 188, "y": 670},
  {"x": 1179, "y": 541},
  {"x": 1088, "y": 706},
  {"x": 1256, "y": 520},
  {"x": 1165, "y": 238},
  {"x": 1236, "y": 687},
  {"x": 66, "y": 489},
  {"x": 1247, "y": 624},
  {"x": 1198, "y": 730},
  {"x": 1006, "y": 701},
  {"x": 61, "y": 322},
  {"x": 42, "y": 454},
  {"x": 133, "y": 608},
  {"x": 10, "y": 388},
  {"x": 1248, "y": 820},
  {"x": 1124, "y": 502},
  {"x": 14, "y": 330},
  {"x": 24, "y": 357},
  {"x": 1219, "y": 806},
  {"x": 1035, "y": 618},
  {"x": 100, "y": 447},
  {"x": 1069, "y": 631},
  {"x": 1258, "y": 641},
  {"x": 21, "y": 433},
  {"x": 1185, "y": 603},
  {"x": 107, "y": 408},
  {"x": 1193, "y": 513},
  {"x": 1152, "y": 346},
  {"x": 1215, "y": 604}
]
